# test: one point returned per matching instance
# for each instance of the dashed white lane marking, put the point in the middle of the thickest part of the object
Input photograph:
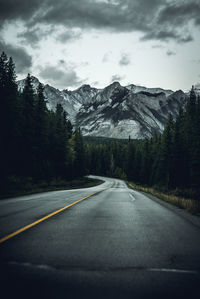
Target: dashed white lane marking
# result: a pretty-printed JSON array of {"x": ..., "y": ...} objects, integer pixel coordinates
[
  {"x": 48, "y": 267},
  {"x": 173, "y": 270},
  {"x": 132, "y": 197}
]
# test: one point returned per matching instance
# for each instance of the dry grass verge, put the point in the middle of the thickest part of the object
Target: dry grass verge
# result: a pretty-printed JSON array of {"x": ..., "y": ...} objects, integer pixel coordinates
[{"x": 191, "y": 205}]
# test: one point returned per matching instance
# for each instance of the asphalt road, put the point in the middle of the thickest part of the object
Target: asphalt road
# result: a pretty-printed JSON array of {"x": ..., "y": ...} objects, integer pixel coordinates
[{"x": 118, "y": 243}]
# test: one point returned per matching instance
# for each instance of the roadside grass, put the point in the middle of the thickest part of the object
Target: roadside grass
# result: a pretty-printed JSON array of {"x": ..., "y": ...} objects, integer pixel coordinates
[
  {"x": 191, "y": 205},
  {"x": 26, "y": 186}
]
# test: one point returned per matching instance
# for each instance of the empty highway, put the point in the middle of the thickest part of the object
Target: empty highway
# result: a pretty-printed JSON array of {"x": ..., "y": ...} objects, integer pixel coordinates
[{"x": 107, "y": 241}]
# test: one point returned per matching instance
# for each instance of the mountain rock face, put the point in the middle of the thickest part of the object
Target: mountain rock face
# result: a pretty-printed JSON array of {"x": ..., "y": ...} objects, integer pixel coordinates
[
  {"x": 133, "y": 111},
  {"x": 71, "y": 101},
  {"x": 115, "y": 111}
]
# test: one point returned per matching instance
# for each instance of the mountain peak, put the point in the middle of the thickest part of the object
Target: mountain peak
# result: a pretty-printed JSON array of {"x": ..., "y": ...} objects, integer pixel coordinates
[
  {"x": 85, "y": 87},
  {"x": 35, "y": 82},
  {"x": 33, "y": 78},
  {"x": 115, "y": 111},
  {"x": 115, "y": 84}
]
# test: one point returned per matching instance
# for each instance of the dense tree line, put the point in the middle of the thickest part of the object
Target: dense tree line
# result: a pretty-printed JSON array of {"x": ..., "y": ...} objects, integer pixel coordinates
[
  {"x": 35, "y": 143},
  {"x": 39, "y": 144},
  {"x": 168, "y": 161}
]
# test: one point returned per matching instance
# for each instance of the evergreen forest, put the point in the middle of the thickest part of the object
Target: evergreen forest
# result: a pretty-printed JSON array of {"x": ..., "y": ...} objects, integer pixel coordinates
[
  {"x": 36, "y": 144},
  {"x": 41, "y": 145},
  {"x": 170, "y": 161}
]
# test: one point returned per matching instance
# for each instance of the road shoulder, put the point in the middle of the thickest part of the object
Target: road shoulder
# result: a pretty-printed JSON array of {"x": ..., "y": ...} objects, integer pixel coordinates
[{"x": 193, "y": 219}]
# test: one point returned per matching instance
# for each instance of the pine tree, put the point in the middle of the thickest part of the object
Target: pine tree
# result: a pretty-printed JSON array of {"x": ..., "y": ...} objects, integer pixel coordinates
[
  {"x": 130, "y": 161},
  {"x": 198, "y": 144},
  {"x": 3, "y": 74},
  {"x": 13, "y": 115},
  {"x": 137, "y": 163},
  {"x": 60, "y": 146},
  {"x": 146, "y": 162},
  {"x": 156, "y": 158},
  {"x": 180, "y": 170},
  {"x": 192, "y": 137},
  {"x": 67, "y": 134},
  {"x": 79, "y": 163},
  {"x": 3, "y": 121},
  {"x": 28, "y": 129},
  {"x": 10, "y": 113},
  {"x": 165, "y": 170},
  {"x": 41, "y": 134},
  {"x": 69, "y": 127}
]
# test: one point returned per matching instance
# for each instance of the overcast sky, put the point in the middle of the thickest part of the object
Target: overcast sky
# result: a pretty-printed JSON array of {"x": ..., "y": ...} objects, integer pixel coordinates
[{"x": 67, "y": 43}]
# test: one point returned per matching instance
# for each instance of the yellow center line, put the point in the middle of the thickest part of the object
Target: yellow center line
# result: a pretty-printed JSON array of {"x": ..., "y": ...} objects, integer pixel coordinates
[{"x": 19, "y": 231}]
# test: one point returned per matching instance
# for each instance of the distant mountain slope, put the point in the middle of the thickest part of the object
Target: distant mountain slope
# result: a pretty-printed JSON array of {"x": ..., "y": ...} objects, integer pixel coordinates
[{"x": 116, "y": 111}]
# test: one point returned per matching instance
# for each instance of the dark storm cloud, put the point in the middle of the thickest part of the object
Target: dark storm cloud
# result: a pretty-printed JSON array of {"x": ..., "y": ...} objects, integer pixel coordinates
[
  {"x": 180, "y": 12},
  {"x": 124, "y": 15},
  {"x": 167, "y": 35},
  {"x": 160, "y": 35},
  {"x": 124, "y": 60},
  {"x": 185, "y": 39},
  {"x": 22, "y": 60},
  {"x": 62, "y": 78},
  {"x": 18, "y": 9},
  {"x": 31, "y": 37},
  {"x": 145, "y": 16}
]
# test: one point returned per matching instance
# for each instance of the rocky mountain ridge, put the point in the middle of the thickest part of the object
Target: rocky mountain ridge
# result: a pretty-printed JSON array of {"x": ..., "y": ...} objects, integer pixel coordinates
[{"x": 115, "y": 111}]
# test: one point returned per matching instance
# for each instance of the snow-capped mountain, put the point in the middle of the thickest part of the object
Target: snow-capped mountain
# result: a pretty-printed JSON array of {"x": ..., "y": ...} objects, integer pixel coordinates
[{"x": 115, "y": 111}]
